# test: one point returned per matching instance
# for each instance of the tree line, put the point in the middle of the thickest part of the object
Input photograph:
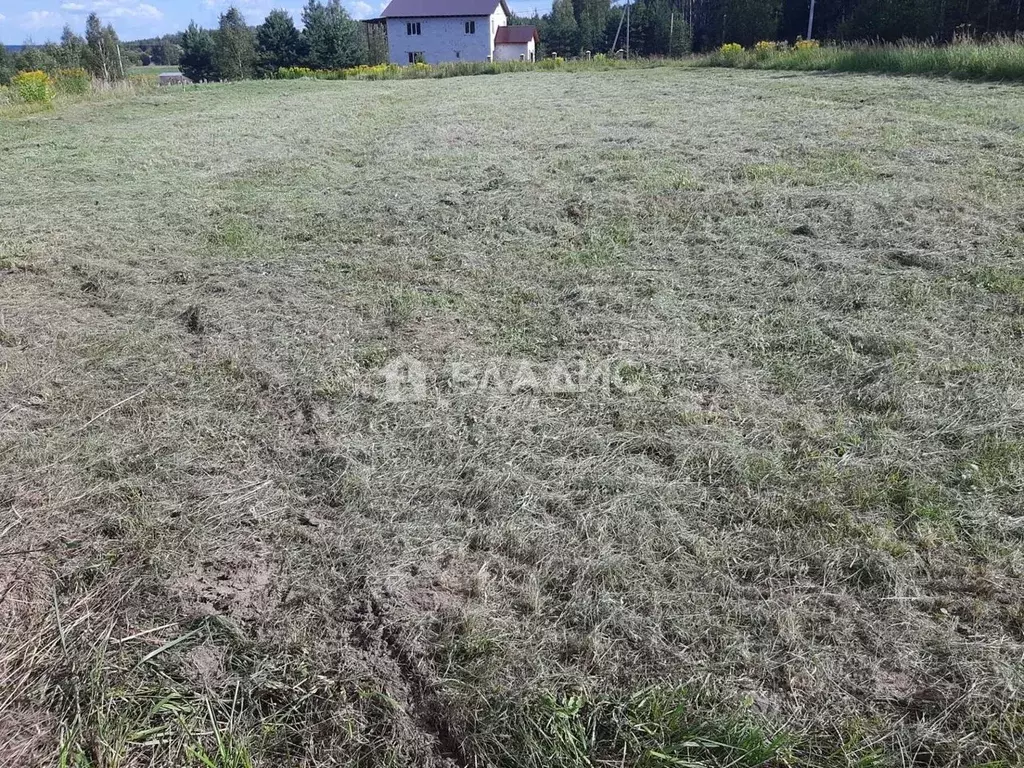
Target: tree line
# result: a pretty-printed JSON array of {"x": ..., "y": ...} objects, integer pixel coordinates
[
  {"x": 99, "y": 53},
  {"x": 572, "y": 27},
  {"x": 671, "y": 27},
  {"x": 330, "y": 39}
]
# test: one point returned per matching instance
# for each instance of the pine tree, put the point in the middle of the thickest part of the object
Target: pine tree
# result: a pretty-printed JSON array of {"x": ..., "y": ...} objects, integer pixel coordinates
[
  {"x": 278, "y": 43},
  {"x": 748, "y": 21},
  {"x": 680, "y": 40},
  {"x": 592, "y": 18},
  {"x": 197, "y": 61},
  {"x": 333, "y": 39},
  {"x": 562, "y": 33}
]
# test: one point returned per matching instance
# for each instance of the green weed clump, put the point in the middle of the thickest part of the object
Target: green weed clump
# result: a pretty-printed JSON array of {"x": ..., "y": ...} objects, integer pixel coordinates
[
  {"x": 294, "y": 73},
  {"x": 361, "y": 72},
  {"x": 660, "y": 726},
  {"x": 997, "y": 60},
  {"x": 34, "y": 87},
  {"x": 74, "y": 82}
]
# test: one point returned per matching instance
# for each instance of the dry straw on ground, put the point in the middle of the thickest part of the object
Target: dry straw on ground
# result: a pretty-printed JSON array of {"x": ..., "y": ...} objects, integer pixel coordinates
[{"x": 797, "y": 544}]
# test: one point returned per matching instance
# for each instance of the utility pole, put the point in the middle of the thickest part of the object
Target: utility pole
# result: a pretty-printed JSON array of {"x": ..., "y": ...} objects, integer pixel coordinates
[
  {"x": 810, "y": 23},
  {"x": 671, "y": 31},
  {"x": 615, "y": 43},
  {"x": 627, "y": 30}
]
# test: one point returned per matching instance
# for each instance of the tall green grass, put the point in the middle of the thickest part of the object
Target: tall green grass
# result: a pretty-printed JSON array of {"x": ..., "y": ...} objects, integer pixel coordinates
[
  {"x": 466, "y": 68},
  {"x": 997, "y": 60},
  {"x": 35, "y": 91}
]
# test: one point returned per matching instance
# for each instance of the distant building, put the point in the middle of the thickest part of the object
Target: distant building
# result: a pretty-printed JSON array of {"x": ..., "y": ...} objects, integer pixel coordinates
[
  {"x": 437, "y": 31},
  {"x": 173, "y": 78},
  {"x": 516, "y": 44}
]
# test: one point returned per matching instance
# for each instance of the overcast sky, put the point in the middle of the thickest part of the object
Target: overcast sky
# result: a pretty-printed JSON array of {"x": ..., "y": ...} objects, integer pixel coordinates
[{"x": 42, "y": 20}]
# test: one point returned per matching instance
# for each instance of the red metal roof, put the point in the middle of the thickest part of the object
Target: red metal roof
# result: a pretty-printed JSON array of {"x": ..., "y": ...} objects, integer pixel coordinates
[
  {"x": 414, "y": 8},
  {"x": 517, "y": 34}
]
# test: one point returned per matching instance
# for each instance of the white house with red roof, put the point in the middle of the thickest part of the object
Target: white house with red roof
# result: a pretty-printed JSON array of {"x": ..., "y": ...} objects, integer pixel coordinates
[
  {"x": 516, "y": 43},
  {"x": 437, "y": 31}
]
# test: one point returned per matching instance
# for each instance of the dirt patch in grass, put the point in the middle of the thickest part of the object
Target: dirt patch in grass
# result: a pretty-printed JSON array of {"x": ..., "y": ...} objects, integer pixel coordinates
[{"x": 705, "y": 450}]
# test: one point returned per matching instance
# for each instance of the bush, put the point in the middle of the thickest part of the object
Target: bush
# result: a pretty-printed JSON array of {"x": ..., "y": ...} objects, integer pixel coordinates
[
  {"x": 383, "y": 71},
  {"x": 765, "y": 49},
  {"x": 72, "y": 81},
  {"x": 33, "y": 87},
  {"x": 731, "y": 50},
  {"x": 553, "y": 62},
  {"x": 807, "y": 45},
  {"x": 294, "y": 73}
]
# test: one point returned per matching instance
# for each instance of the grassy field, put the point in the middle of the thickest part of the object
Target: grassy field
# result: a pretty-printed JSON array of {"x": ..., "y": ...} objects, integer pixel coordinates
[
  {"x": 152, "y": 71},
  {"x": 788, "y": 532}
]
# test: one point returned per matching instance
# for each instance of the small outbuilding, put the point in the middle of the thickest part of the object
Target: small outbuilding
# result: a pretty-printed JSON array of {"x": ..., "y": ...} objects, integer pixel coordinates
[
  {"x": 517, "y": 43},
  {"x": 173, "y": 78}
]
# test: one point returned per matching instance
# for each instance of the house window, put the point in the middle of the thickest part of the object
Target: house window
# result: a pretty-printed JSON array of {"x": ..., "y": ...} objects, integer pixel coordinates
[
  {"x": 415, "y": 57},
  {"x": 412, "y": 28},
  {"x": 470, "y": 27},
  {"x": 458, "y": 54}
]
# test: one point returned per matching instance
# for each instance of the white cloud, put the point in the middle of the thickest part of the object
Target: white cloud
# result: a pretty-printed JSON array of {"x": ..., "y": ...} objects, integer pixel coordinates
[
  {"x": 39, "y": 19},
  {"x": 240, "y": 4},
  {"x": 360, "y": 9},
  {"x": 2, "y": 17},
  {"x": 127, "y": 10},
  {"x": 137, "y": 11}
]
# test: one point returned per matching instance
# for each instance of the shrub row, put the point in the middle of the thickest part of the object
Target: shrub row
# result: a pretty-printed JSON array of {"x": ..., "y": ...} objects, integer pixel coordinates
[
  {"x": 460, "y": 68},
  {"x": 1001, "y": 59},
  {"x": 38, "y": 87}
]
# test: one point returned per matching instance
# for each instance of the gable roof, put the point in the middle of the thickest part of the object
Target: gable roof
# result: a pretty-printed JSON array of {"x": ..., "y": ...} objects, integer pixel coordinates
[
  {"x": 516, "y": 34},
  {"x": 414, "y": 8}
]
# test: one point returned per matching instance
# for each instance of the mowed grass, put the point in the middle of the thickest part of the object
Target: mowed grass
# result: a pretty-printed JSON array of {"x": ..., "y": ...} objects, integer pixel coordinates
[{"x": 795, "y": 539}]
